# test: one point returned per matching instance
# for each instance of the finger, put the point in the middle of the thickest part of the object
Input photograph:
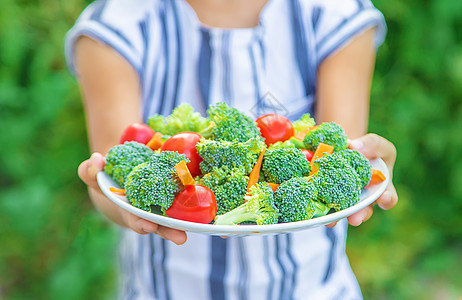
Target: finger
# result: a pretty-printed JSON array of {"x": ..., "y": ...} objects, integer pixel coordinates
[
  {"x": 388, "y": 199},
  {"x": 359, "y": 217},
  {"x": 142, "y": 226},
  {"x": 88, "y": 169},
  {"x": 373, "y": 146},
  {"x": 332, "y": 225}
]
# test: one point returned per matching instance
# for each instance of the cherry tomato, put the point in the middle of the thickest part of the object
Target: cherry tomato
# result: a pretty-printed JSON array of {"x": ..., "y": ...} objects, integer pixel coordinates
[
  {"x": 309, "y": 154},
  {"x": 185, "y": 143},
  {"x": 275, "y": 128},
  {"x": 137, "y": 132},
  {"x": 196, "y": 203}
]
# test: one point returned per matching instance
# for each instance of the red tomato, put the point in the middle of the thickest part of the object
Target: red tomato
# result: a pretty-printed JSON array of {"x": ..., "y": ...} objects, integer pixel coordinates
[
  {"x": 309, "y": 154},
  {"x": 275, "y": 128},
  {"x": 196, "y": 203},
  {"x": 138, "y": 132},
  {"x": 185, "y": 143}
]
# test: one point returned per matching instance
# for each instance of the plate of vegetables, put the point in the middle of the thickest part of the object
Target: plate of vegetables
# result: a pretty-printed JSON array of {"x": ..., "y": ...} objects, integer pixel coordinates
[{"x": 229, "y": 175}]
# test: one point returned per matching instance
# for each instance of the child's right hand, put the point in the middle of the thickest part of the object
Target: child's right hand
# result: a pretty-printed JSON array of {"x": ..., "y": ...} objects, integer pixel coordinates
[{"x": 87, "y": 172}]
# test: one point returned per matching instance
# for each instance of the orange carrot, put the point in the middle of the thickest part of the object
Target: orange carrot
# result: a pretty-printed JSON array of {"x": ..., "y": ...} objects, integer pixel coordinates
[
  {"x": 320, "y": 151},
  {"x": 255, "y": 173},
  {"x": 273, "y": 186},
  {"x": 155, "y": 142},
  {"x": 183, "y": 173},
  {"x": 117, "y": 191},
  {"x": 377, "y": 176},
  {"x": 301, "y": 134}
]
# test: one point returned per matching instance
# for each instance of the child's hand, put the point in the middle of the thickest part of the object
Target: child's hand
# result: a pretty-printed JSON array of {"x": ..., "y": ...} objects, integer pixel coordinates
[
  {"x": 374, "y": 146},
  {"x": 87, "y": 172}
]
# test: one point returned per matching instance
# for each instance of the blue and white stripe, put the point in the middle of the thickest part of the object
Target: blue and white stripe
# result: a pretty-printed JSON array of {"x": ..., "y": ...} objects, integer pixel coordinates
[{"x": 271, "y": 67}]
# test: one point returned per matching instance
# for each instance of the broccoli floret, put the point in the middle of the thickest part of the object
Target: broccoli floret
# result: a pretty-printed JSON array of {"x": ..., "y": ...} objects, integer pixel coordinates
[
  {"x": 281, "y": 145},
  {"x": 294, "y": 198},
  {"x": 152, "y": 185},
  {"x": 231, "y": 154},
  {"x": 259, "y": 208},
  {"x": 320, "y": 209},
  {"x": 339, "y": 188},
  {"x": 168, "y": 158},
  {"x": 303, "y": 124},
  {"x": 121, "y": 160},
  {"x": 360, "y": 164},
  {"x": 283, "y": 164},
  {"x": 327, "y": 133},
  {"x": 229, "y": 124},
  {"x": 229, "y": 186},
  {"x": 183, "y": 118}
]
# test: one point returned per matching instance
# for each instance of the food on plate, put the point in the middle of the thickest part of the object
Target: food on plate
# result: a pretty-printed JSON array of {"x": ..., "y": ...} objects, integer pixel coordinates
[
  {"x": 328, "y": 133},
  {"x": 275, "y": 128},
  {"x": 228, "y": 169},
  {"x": 258, "y": 208},
  {"x": 121, "y": 159},
  {"x": 137, "y": 132}
]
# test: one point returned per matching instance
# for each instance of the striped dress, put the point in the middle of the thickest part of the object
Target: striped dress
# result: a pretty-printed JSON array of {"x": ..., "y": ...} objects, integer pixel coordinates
[{"x": 269, "y": 68}]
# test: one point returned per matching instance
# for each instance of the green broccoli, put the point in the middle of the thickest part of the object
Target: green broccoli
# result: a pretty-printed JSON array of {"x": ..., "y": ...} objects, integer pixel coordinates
[
  {"x": 360, "y": 164},
  {"x": 154, "y": 184},
  {"x": 303, "y": 124},
  {"x": 228, "y": 185},
  {"x": 121, "y": 159},
  {"x": 279, "y": 145},
  {"x": 320, "y": 209},
  {"x": 327, "y": 133},
  {"x": 229, "y": 124},
  {"x": 259, "y": 208},
  {"x": 295, "y": 199},
  {"x": 183, "y": 118},
  {"x": 339, "y": 188},
  {"x": 283, "y": 164},
  {"x": 231, "y": 154}
]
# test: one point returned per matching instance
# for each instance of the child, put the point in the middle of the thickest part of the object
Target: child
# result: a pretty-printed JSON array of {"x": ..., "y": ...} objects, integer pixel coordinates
[{"x": 140, "y": 57}]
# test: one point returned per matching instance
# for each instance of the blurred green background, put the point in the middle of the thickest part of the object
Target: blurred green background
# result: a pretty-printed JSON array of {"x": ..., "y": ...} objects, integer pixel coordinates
[{"x": 54, "y": 246}]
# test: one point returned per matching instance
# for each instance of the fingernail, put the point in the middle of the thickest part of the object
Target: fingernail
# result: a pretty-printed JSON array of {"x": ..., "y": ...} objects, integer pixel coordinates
[{"x": 356, "y": 144}]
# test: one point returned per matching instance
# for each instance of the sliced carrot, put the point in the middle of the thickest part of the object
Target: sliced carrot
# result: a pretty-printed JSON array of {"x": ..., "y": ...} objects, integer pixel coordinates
[
  {"x": 117, "y": 191},
  {"x": 301, "y": 134},
  {"x": 273, "y": 186},
  {"x": 155, "y": 142},
  {"x": 255, "y": 173},
  {"x": 183, "y": 173},
  {"x": 320, "y": 151},
  {"x": 377, "y": 176}
]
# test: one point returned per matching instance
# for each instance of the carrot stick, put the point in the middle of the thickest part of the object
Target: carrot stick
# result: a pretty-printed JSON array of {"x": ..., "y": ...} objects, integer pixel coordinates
[
  {"x": 117, "y": 191},
  {"x": 255, "y": 173},
  {"x": 273, "y": 186},
  {"x": 377, "y": 176},
  {"x": 155, "y": 142},
  {"x": 183, "y": 173},
  {"x": 320, "y": 151}
]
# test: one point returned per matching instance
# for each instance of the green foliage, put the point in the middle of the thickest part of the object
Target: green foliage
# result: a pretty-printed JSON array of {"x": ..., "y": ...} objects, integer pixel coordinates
[
  {"x": 327, "y": 133},
  {"x": 59, "y": 248},
  {"x": 183, "y": 118},
  {"x": 283, "y": 164},
  {"x": 294, "y": 198},
  {"x": 121, "y": 159},
  {"x": 229, "y": 186},
  {"x": 259, "y": 208},
  {"x": 216, "y": 154},
  {"x": 224, "y": 120}
]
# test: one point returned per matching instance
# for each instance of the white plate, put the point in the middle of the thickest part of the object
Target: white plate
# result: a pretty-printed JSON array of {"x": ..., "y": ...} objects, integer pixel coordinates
[{"x": 368, "y": 196}]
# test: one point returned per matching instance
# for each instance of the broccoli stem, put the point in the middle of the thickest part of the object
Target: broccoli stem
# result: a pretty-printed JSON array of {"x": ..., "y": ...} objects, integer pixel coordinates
[{"x": 235, "y": 216}]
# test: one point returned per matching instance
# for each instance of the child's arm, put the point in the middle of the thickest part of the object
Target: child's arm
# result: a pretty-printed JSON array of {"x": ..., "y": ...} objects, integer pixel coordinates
[
  {"x": 111, "y": 91},
  {"x": 343, "y": 88}
]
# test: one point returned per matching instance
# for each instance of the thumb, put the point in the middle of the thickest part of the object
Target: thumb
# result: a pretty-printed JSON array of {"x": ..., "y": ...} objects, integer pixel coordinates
[{"x": 88, "y": 169}]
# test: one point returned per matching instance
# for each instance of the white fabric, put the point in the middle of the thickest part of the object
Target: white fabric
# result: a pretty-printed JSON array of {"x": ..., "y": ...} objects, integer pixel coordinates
[{"x": 269, "y": 68}]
